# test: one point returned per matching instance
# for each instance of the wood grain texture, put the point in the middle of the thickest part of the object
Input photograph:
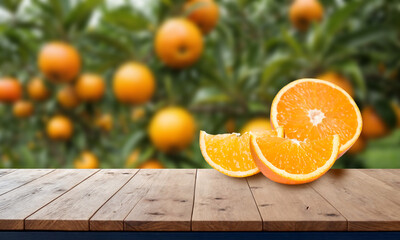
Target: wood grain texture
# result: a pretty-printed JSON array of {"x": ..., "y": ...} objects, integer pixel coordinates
[
  {"x": 293, "y": 207},
  {"x": 389, "y": 176},
  {"x": 110, "y": 217},
  {"x": 168, "y": 205},
  {"x": 72, "y": 211},
  {"x": 20, "y": 177},
  {"x": 6, "y": 171},
  {"x": 223, "y": 204},
  {"x": 368, "y": 204},
  {"x": 18, "y": 204}
]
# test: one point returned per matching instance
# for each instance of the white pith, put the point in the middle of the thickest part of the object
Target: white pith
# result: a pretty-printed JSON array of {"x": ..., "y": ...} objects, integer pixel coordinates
[{"x": 316, "y": 116}]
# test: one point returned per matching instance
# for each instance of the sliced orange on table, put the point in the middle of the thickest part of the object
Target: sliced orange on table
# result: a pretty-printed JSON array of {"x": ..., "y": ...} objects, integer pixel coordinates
[
  {"x": 311, "y": 109},
  {"x": 290, "y": 161},
  {"x": 230, "y": 153}
]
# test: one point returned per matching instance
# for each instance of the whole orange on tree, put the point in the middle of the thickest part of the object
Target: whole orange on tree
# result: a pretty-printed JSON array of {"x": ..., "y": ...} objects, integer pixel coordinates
[
  {"x": 373, "y": 125},
  {"x": 132, "y": 159},
  {"x": 67, "y": 97},
  {"x": 10, "y": 90},
  {"x": 105, "y": 122},
  {"x": 133, "y": 83},
  {"x": 37, "y": 89},
  {"x": 303, "y": 12},
  {"x": 59, "y": 61},
  {"x": 358, "y": 146},
  {"x": 86, "y": 160},
  {"x": 90, "y": 87},
  {"x": 172, "y": 129},
  {"x": 204, "y": 13},
  {"x": 178, "y": 43},
  {"x": 256, "y": 125},
  {"x": 152, "y": 164},
  {"x": 339, "y": 80},
  {"x": 59, "y": 128},
  {"x": 23, "y": 109}
]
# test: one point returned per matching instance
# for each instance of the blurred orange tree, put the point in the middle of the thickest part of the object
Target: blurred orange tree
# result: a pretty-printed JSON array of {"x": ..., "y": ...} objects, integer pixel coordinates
[{"x": 127, "y": 83}]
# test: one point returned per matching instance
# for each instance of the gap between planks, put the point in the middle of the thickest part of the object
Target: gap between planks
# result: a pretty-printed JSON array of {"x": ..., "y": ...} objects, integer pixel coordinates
[
  {"x": 194, "y": 199},
  {"x": 111, "y": 197},
  {"x": 40, "y": 173},
  {"x": 90, "y": 175}
]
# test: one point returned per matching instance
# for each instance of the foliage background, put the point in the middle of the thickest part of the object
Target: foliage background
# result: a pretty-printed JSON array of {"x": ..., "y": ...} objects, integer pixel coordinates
[{"x": 248, "y": 57}]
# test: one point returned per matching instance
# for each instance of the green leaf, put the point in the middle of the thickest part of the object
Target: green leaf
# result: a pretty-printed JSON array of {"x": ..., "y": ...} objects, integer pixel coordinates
[
  {"x": 126, "y": 18},
  {"x": 293, "y": 44},
  {"x": 340, "y": 18},
  {"x": 131, "y": 143},
  {"x": 272, "y": 67},
  {"x": 81, "y": 13},
  {"x": 210, "y": 95},
  {"x": 10, "y": 5},
  {"x": 353, "y": 70}
]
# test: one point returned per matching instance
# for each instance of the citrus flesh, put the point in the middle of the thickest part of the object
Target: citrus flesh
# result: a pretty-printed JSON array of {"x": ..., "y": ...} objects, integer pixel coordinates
[
  {"x": 290, "y": 161},
  {"x": 230, "y": 153},
  {"x": 310, "y": 109}
]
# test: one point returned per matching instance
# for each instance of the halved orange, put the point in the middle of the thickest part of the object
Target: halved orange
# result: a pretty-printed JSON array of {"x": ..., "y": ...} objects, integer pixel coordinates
[
  {"x": 230, "y": 153},
  {"x": 290, "y": 161},
  {"x": 310, "y": 109}
]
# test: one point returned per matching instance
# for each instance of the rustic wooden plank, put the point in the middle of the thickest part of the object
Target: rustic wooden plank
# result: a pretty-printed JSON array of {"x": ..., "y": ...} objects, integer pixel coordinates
[
  {"x": 20, "y": 177},
  {"x": 72, "y": 211},
  {"x": 293, "y": 208},
  {"x": 5, "y": 171},
  {"x": 368, "y": 204},
  {"x": 168, "y": 205},
  {"x": 389, "y": 176},
  {"x": 223, "y": 204},
  {"x": 110, "y": 217},
  {"x": 18, "y": 204}
]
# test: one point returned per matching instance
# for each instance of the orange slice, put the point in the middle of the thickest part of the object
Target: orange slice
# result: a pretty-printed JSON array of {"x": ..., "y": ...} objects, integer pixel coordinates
[
  {"x": 230, "y": 153},
  {"x": 290, "y": 161},
  {"x": 310, "y": 109}
]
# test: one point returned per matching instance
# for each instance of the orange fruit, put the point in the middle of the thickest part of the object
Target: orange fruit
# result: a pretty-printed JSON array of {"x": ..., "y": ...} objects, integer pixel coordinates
[
  {"x": 67, "y": 97},
  {"x": 37, "y": 90},
  {"x": 86, "y": 160},
  {"x": 339, "y": 80},
  {"x": 313, "y": 109},
  {"x": 291, "y": 161},
  {"x": 59, "y": 128},
  {"x": 90, "y": 87},
  {"x": 137, "y": 113},
  {"x": 230, "y": 153},
  {"x": 374, "y": 125},
  {"x": 178, "y": 43},
  {"x": 22, "y": 109},
  {"x": 204, "y": 14},
  {"x": 105, "y": 122},
  {"x": 358, "y": 146},
  {"x": 172, "y": 129},
  {"x": 59, "y": 61},
  {"x": 152, "y": 164},
  {"x": 10, "y": 90},
  {"x": 303, "y": 12},
  {"x": 133, "y": 83},
  {"x": 256, "y": 125},
  {"x": 132, "y": 159}
]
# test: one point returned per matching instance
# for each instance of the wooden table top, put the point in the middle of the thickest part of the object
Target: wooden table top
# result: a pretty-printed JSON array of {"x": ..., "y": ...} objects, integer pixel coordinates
[{"x": 196, "y": 200}]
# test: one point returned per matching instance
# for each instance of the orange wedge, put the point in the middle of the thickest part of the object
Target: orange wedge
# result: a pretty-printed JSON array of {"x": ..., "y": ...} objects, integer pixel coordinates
[
  {"x": 230, "y": 153},
  {"x": 290, "y": 161},
  {"x": 310, "y": 109}
]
